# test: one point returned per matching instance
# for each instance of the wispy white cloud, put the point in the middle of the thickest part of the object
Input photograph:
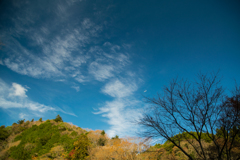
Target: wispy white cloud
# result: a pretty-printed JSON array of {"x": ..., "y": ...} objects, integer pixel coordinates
[
  {"x": 120, "y": 114},
  {"x": 101, "y": 71},
  {"x": 77, "y": 88},
  {"x": 123, "y": 110},
  {"x": 118, "y": 89},
  {"x": 15, "y": 97},
  {"x": 22, "y": 115},
  {"x": 46, "y": 53},
  {"x": 108, "y": 63}
]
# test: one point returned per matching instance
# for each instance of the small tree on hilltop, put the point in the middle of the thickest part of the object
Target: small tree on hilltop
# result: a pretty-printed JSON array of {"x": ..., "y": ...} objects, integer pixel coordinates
[
  {"x": 116, "y": 137},
  {"x": 21, "y": 121},
  {"x": 103, "y": 133},
  {"x": 58, "y": 118}
]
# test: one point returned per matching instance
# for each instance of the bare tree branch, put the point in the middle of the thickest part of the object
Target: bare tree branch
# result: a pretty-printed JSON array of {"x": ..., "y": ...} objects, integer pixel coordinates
[{"x": 195, "y": 108}]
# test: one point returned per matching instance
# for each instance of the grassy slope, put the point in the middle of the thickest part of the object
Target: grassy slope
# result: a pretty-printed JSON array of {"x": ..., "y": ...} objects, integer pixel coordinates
[{"x": 47, "y": 139}]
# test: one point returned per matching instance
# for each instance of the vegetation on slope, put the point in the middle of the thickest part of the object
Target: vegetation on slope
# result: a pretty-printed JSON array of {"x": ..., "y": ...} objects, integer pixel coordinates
[{"x": 55, "y": 139}]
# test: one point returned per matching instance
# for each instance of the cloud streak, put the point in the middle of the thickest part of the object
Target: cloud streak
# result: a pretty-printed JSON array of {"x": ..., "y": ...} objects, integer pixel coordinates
[
  {"x": 15, "y": 97},
  {"x": 123, "y": 109}
]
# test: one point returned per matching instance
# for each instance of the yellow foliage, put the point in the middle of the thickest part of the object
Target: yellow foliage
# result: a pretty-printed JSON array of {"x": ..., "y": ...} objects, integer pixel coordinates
[
  {"x": 57, "y": 151},
  {"x": 82, "y": 147},
  {"x": 118, "y": 149}
]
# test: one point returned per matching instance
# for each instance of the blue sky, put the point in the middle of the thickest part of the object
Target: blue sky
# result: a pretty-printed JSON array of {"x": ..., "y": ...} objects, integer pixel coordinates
[{"x": 93, "y": 61}]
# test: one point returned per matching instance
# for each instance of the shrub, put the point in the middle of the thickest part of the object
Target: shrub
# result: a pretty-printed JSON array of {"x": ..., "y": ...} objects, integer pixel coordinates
[
  {"x": 40, "y": 119},
  {"x": 3, "y": 133},
  {"x": 103, "y": 133},
  {"x": 21, "y": 121},
  {"x": 74, "y": 133},
  {"x": 58, "y": 119},
  {"x": 101, "y": 141},
  {"x": 168, "y": 147},
  {"x": 62, "y": 128},
  {"x": 116, "y": 137},
  {"x": 158, "y": 145}
]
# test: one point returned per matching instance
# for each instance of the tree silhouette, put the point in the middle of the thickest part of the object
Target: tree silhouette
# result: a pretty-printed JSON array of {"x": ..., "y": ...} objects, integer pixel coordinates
[
  {"x": 58, "y": 118},
  {"x": 196, "y": 109}
]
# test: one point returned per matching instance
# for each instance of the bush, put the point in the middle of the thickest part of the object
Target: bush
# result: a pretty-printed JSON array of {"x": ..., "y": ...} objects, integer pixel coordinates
[
  {"x": 116, "y": 137},
  {"x": 74, "y": 133},
  {"x": 3, "y": 133},
  {"x": 40, "y": 119},
  {"x": 21, "y": 121},
  {"x": 58, "y": 119},
  {"x": 103, "y": 133},
  {"x": 168, "y": 147},
  {"x": 101, "y": 141},
  {"x": 158, "y": 145}
]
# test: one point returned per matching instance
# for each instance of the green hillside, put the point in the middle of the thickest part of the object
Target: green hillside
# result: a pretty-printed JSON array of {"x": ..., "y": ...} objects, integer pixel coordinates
[
  {"x": 36, "y": 139},
  {"x": 58, "y": 140}
]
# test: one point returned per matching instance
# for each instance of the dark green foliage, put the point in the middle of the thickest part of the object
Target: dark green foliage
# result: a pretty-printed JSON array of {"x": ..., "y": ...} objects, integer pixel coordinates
[
  {"x": 101, "y": 141},
  {"x": 69, "y": 129},
  {"x": 67, "y": 142},
  {"x": 32, "y": 120},
  {"x": 74, "y": 133},
  {"x": 58, "y": 119},
  {"x": 21, "y": 121},
  {"x": 3, "y": 133},
  {"x": 183, "y": 136},
  {"x": 40, "y": 119},
  {"x": 103, "y": 133},
  {"x": 40, "y": 139},
  {"x": 62, "y": 128},
  {"x": 168, "y": 147},
  {"x": 116, "y": 137},
  {"x": 158, "y": 145}
]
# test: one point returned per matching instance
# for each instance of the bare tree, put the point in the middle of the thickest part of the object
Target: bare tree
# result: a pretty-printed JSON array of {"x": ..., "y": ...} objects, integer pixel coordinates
[{"x": 194, "y": 108}]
